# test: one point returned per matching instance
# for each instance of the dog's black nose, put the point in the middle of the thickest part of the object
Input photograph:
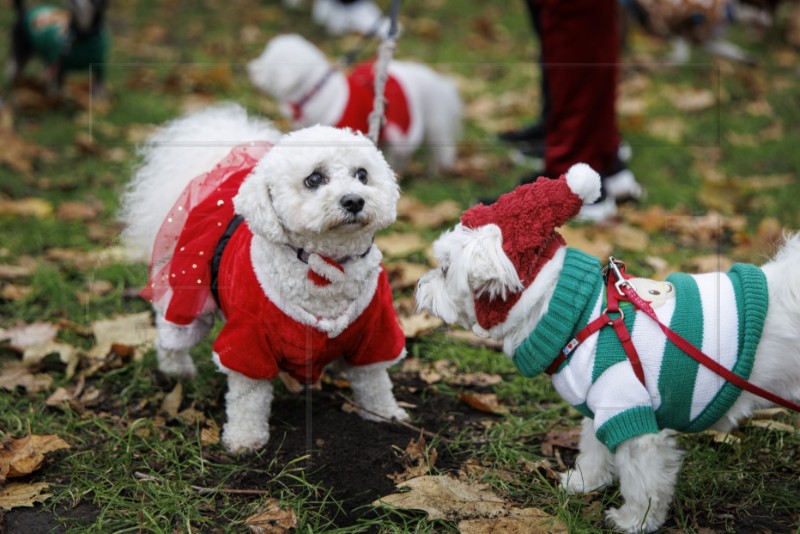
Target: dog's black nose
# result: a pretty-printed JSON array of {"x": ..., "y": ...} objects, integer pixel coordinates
[{"x": 352, "y": 203}]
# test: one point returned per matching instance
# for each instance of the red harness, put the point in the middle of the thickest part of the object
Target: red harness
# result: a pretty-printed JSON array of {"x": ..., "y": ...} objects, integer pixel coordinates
[{"x": 619, "y": 288}]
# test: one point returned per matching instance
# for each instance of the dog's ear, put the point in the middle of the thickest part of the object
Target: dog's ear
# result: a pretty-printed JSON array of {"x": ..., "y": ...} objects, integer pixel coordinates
[
  {"x": 488, "y": 268},
  {"x": 254, "y": 203}
]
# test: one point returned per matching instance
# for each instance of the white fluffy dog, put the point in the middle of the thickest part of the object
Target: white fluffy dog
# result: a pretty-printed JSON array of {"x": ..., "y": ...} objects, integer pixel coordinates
[
  {"x": 273, "y": 232},
  {"x": 505, "y": 271},
  {"x": 422, "y": 105}
]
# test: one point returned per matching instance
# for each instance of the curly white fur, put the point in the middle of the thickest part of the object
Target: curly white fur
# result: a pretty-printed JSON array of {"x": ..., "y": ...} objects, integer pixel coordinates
[
  {"x": 291, "y": 66},
  {"x": 284, "y": 215},
  {"x": 646, "y": 466}
]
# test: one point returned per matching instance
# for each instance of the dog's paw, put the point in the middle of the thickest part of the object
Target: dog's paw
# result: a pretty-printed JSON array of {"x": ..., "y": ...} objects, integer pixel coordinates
[
  {"x": 243, "y": 440},
  {"x": 575, "y": 482},
  {"x": 176, "y": 363},
  {"x": 633, "y": 519},
  {"x": 380, "y": 415}
]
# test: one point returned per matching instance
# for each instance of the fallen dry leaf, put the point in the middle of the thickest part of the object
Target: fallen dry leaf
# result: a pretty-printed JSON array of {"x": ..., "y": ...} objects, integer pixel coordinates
[
  {"x": 209, "y": 435},
  {"x": 416, "y": 460},
  {"x": 421, "y": 215},
  {"x": 19, "y": 154},
  {"x": 10, "y": 272},
  {"x": 484, "y": 402},
  {"x": 172, "y": 401},
  {"x": 418, "y": 324},
  {"x": 479, "y": 379},
  {"x": 437, "y": 371},
  {"x": 517, "y": 521},
  {"x": 708, "y": 264},
  {"x": 77, "y": 211},
  {"x": 404, "y": 274},
  {"x": 587, "y": 240},
  {"x": 28, "y": 335},
  {"x": 17, "y": 495},
  {"x": 14, "y": 292},
  {"x": 771, "y": 425},
  {"x": 723, "y": 437},
  {"x": 469, "y": 337},
  {"x": 16, "y": 374},
  {"x": 134, "y": 330},
  {"x": 670, "y": 129},
  {"x": 23, "y": 456},
  {"x": 400, "y": 245},
  {"x": 26, "y": 207},
  {"x": 564, "y": 439},
  {"x": 445, "y": 497},
  {"x": 627, "y": 237},
  {"x": 270, "y": 518},
  {"x": 70, "y": 356},
  {"x": 474, "y": 506},
  {"x": 690, "y": 99}
]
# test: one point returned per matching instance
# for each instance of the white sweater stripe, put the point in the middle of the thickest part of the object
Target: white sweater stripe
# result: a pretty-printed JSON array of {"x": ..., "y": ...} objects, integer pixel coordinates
[
  {"x": 650, "y": 342},
  {"x": 720, "y": 335}
]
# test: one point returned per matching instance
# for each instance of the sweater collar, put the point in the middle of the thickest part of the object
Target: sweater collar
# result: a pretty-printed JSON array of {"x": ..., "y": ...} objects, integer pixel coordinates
[{"x": 578, "y": 287}]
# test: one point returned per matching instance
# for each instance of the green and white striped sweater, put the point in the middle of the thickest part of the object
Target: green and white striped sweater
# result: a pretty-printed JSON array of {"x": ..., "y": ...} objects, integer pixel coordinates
[{"x": 720, "y": 313}]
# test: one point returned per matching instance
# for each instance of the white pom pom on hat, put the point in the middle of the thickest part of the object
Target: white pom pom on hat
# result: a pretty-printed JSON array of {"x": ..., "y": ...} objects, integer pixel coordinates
[{"x": 584, "y": 182}]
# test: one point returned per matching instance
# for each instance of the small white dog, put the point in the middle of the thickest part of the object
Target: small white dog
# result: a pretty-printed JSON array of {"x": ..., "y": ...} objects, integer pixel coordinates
[
  {"x": 506, "y": 272},
  {"x": 275, "y": 233},
  {"x": 421, "y": 105}
]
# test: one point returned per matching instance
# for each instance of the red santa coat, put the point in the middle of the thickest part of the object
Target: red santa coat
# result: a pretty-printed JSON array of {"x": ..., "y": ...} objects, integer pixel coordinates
[
  {"x": 258, "y": 338},
  {"x": 361, "y": 82}
]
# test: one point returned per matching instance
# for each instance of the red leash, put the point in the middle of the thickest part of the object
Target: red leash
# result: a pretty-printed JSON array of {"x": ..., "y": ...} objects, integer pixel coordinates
[{"x": 621, "y": 287}]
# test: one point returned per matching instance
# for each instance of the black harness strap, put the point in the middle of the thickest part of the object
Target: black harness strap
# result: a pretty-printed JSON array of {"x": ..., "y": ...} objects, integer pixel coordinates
[{"x": 217, "y": 259}]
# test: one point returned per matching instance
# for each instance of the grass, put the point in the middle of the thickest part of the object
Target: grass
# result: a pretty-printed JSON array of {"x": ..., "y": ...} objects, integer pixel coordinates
[{"x": 167, "y": 54}]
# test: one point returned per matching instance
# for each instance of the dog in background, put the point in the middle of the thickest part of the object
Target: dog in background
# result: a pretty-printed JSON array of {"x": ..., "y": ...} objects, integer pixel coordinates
[
  {"x": 421, "y": 105},
  {"x": 275, "y": 234},
  {"x": 506, "y": 272},
  {"x": 68, "y": 39},
  {"x": 699, "y": 23}
]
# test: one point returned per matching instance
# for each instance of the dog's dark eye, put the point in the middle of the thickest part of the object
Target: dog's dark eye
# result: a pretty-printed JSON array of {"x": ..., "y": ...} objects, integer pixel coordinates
[
  {"x": 314, "y": 180},
  {"x": 361, "y": 174}
]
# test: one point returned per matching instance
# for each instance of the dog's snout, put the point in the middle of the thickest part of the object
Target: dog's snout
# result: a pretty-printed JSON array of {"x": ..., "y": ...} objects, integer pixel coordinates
[{"x": 352, "y": 203}]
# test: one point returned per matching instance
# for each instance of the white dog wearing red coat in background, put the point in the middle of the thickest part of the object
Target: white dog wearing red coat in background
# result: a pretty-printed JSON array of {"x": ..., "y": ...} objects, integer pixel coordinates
[
  {"x": 299, "y": 282},
  {"x": 422, "y": 105},
  {"x": 505, "y": 272}
]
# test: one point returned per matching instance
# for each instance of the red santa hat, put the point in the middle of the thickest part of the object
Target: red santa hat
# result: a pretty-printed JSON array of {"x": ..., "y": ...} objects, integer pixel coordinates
[{"x": 527, "y": 218}]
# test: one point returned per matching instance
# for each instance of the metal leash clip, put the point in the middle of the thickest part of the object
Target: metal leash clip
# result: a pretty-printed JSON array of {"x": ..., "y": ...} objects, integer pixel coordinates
[{"x": 617, "y": 267}]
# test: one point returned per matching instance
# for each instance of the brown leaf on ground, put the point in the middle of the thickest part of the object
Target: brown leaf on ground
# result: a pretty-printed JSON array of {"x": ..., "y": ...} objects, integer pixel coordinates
[
  {"x": 17, "y": 495},
  {"x": 474, "y": 506},
  {"x": 404, "y": 274},
  {"x": 87, "y": 259},
  {"x": 24, "y": 336},
  {"x": 14, "y": 292},
  {"x": 421, "y": 215},
  {"x": 134, "y": 330},
  {"x": 10, "y": 272},
  {"x": 18, "y": 154},
  {"x": 417, "y": 324},
  {"x": 690, "y": 99},
  {"x": 771, "y": 425},
  {"x": 70, "y": 356},
  {"x": 77, "y": 211},
  {"x": 209, "y": 434},
  {"x": 469, "y": 337},
  {"x": 415, "y": 460},
  {"x": 793, "y": 26},
  {"x": 627, "y": 237},
  {"x": 587, "y": 240},
  {"x": 26, "y": 207},
  {"x": 517, "y": 521},
  {"x": 437, "y": 371},
  {"x": 16, "y": 374},
  {"x": 23, "y": 456},
  {"x": 172, "y": 401},
  {"x": 444, "y": 497},
  {"x": 270, "y": 518},
  {"x": 670, "y": 129},
  {"x": 400, "y": 245},
  {"x": 478, "y": 380},
  {"x": 484, "y": 402},
  {"x": 708, "y": 263},
  {"x": 564, "y": 439}
]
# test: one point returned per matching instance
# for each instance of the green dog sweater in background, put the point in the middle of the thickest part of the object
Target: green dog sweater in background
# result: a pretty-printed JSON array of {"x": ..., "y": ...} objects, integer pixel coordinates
[
  {"x": 48, "y": 30},
  {"x": 720, "y": 313}
]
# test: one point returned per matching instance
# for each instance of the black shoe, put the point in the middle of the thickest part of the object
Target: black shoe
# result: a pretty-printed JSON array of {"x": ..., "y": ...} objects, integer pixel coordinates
[{"x": 532, "y": 132}]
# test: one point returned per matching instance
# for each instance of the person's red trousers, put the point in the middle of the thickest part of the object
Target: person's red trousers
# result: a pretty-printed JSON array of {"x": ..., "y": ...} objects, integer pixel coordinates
[{"x": 580, "y": 51}]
